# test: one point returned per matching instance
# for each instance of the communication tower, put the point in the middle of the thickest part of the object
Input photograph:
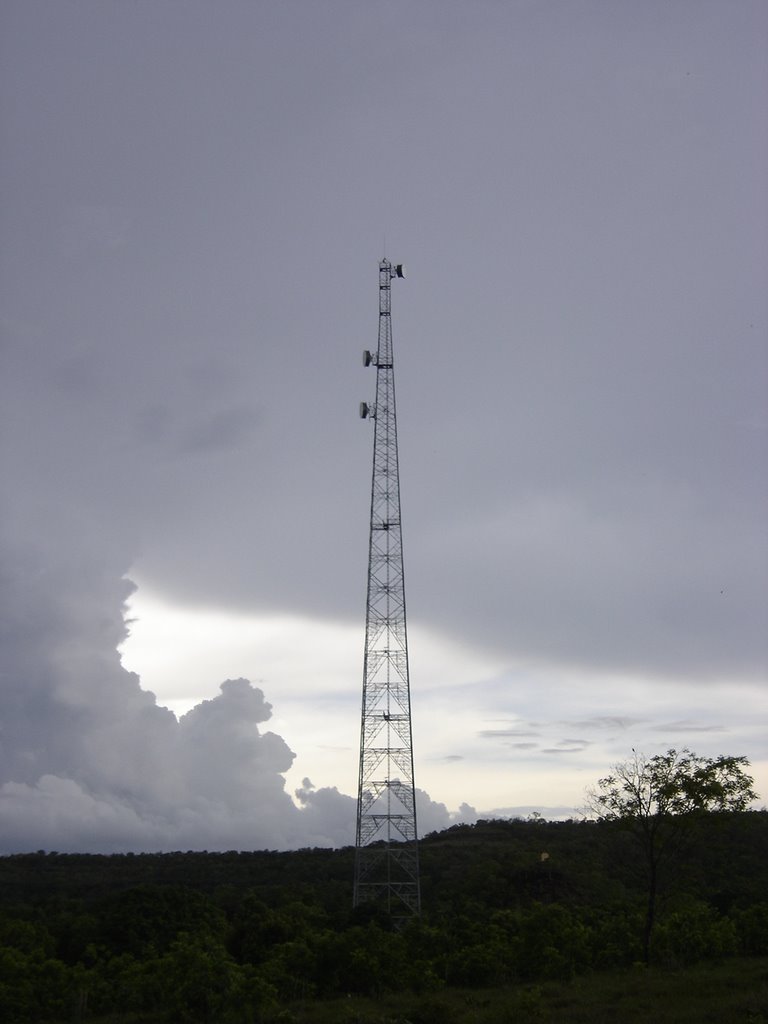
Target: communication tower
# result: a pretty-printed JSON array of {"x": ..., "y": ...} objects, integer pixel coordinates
[{"x": 386, "y": 846}]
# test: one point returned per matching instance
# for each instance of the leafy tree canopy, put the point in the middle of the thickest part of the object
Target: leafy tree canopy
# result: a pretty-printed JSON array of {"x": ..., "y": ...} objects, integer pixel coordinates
[{"x": 671, "y": 784}]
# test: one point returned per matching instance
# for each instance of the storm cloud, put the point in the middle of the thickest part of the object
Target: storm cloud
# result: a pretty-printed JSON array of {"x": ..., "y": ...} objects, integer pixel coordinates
[
  {"x": 194, "y": 198},
  {"x": 90, "y": 761}
]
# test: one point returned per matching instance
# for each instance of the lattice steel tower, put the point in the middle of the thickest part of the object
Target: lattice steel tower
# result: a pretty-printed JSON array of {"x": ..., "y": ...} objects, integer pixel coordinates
[{"x": 386, "y": 849}]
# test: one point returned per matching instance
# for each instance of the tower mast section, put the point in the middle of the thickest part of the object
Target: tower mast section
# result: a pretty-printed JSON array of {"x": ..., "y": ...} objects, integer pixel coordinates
[{"x": 386, "y": 845}]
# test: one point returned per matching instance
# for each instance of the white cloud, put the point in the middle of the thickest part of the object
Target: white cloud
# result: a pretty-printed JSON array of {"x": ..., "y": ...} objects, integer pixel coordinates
[{"x": 90, "y": 761}]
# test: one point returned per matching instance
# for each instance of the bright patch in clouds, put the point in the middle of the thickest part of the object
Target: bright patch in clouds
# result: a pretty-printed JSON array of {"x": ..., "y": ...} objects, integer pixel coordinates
[
  {"x": 310, "y": 671},
  {"x": 490, "y": 733}
]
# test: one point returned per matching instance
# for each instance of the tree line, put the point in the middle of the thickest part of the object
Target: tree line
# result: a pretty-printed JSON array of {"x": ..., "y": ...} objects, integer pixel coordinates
[{"x": 240, "y": 936}]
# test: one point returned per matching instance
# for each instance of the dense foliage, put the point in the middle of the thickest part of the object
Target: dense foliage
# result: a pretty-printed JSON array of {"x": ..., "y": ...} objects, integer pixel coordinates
[{"x": 238, "y": 936}]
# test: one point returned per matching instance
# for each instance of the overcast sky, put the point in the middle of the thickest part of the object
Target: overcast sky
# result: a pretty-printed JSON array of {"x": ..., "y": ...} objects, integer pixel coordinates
[{"x": 195, "y": 196}]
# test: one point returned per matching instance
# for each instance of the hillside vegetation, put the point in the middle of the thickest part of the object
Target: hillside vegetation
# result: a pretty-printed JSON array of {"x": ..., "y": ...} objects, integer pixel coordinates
[{"x": 518, "y": 918}]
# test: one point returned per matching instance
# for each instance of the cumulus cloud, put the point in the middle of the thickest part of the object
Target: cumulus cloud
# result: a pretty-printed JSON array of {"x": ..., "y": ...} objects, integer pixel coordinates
[
  {"x": 326, "y": 811},
  {"x": 434, "y": 816},
  {"x": 90, "y": 762}
]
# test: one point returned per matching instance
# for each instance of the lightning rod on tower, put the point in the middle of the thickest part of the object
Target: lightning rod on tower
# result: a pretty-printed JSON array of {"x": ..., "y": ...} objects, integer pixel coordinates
[{"x": 386, "y": 844}]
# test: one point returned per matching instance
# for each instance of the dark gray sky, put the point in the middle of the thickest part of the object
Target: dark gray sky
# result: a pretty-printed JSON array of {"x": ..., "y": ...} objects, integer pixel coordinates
[{"x": 194, "y": 199}]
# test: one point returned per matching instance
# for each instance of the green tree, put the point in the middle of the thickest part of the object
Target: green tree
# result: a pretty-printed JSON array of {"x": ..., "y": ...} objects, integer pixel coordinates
[
  {"x": 201, "y": 980},
  {"x": 661, "y": 799}
]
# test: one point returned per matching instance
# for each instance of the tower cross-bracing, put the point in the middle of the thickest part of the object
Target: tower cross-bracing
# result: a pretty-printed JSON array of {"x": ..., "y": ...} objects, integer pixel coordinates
[{"x": 386, "y": 848}]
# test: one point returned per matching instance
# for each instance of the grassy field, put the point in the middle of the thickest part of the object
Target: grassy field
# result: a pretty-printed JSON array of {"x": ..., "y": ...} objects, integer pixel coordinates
[{"x": 733, "y": 992}]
